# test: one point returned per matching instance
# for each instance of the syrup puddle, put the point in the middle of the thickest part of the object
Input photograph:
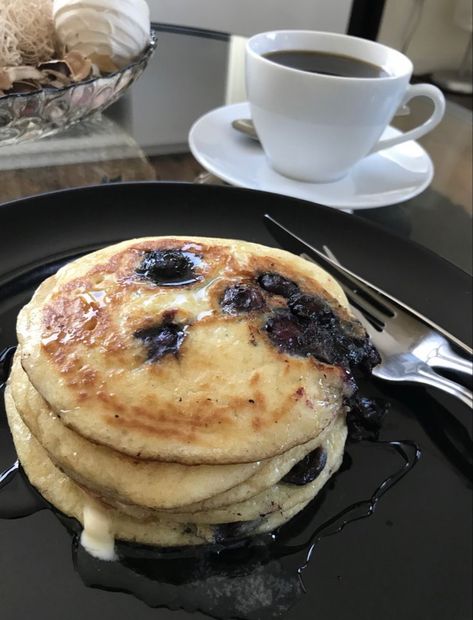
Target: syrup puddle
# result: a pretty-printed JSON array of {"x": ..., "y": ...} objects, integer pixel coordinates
[
  {"x": 251, "y": 579},
  {"x": 410, "y": 453}
]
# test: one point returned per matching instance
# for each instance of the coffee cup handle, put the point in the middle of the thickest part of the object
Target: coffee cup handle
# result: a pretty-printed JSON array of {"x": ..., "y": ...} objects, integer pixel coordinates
[{"x": 417, "y": 90}]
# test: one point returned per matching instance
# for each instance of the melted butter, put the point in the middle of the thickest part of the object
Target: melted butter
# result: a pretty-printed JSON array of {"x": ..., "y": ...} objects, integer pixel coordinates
[
  {"x": 196, "y": 301},
  {"x": 96, "y": 537}
]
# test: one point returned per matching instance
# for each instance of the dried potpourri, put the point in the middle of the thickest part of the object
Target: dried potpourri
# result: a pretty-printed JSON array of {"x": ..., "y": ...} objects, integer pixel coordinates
[{"x": 31, "y": 57}]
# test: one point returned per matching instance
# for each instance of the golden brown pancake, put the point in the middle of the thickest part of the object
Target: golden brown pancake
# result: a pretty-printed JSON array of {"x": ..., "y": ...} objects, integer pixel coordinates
[
  {"x": 73, "y": 500},
  {"x": 180, "y": 372},
  {"x": 149, "y": 484},
  {"x": 176, "y": 390},
  {"x": 279, "y": 496}
]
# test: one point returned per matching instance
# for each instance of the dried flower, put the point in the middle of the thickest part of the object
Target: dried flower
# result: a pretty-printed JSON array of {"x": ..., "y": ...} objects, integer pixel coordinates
[{"x": 27, "y": 34}]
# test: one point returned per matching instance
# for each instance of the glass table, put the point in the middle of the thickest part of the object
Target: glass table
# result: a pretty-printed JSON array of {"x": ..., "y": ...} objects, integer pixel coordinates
[{"x": 144, "y": 137}]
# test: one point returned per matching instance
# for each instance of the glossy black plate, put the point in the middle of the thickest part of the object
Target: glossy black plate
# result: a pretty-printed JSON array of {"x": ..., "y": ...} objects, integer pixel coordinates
[{"x": 410, "y": 559}]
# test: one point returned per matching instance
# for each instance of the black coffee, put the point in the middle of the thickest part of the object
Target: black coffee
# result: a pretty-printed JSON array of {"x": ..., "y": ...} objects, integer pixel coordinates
[{"x": 326, "y": 63}]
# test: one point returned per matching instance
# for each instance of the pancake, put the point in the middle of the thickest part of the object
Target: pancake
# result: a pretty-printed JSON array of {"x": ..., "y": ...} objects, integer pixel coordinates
[
  {"x": 71, "y": 500},
  {"x": 180, "y": 391},
  {"x": 280, "y": 496},
  {"x": 196, "y": 370},
  {"x": 75, "y": 502},
  {"x": 147, "y": 483},
  {"x": 269, "y": 474}
]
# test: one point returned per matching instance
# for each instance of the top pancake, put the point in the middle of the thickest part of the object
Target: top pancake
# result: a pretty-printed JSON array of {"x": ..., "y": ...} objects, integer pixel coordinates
[{"x": 93, "y": 346}]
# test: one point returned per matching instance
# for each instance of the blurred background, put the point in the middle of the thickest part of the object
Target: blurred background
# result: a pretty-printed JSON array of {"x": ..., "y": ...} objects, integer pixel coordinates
[
  {"x": 434, "y": 33},
  {"x": 199, "y": 65}
]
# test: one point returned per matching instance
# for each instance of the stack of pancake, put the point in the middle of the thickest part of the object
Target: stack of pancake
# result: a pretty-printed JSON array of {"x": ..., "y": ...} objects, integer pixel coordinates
[{"x": 178, "y": 391}]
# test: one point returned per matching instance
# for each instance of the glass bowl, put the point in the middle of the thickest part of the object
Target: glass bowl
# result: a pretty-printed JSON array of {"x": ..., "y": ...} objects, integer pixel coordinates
[{"x": 37, "y": 114}]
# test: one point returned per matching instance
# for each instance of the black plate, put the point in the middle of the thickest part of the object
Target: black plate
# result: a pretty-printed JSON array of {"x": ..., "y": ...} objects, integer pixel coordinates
[{"x": 411, "y": 559}]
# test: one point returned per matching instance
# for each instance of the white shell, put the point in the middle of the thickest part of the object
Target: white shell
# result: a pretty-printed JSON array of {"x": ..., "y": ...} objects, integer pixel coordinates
[{"x": 117, "y": 28}]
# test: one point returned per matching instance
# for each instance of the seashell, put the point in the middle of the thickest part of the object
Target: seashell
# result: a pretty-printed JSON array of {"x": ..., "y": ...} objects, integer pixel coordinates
[
  {"x": 56, "y": 79},
  {"x": 74, "y": 67},
  {"x": 79, "y": 66},
  {"x": 58, "y": 68},
  {"x": 23, "y": 73},
  {"x": 117, "y": 29},
  {"x": 103, "y": 63},
  {"x": 22, "y": 79},
  {"x": 25, "y": 86}
]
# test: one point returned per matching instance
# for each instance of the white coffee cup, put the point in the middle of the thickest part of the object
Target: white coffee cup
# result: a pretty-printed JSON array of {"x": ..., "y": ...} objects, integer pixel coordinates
[{"x": 315, "y": 127}]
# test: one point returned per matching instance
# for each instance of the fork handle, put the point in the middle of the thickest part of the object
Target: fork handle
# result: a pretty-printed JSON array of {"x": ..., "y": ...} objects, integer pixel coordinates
[
  {"x": 426, "y": 375},
  {"x": 444, "y": 357}
]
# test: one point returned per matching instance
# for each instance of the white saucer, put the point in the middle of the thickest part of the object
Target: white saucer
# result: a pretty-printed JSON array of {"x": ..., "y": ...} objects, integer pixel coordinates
[{"x": 384, "y": 178}]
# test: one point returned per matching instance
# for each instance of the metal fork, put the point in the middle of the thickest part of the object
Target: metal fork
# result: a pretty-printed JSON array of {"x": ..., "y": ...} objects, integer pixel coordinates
[{"x": 408, "y": 349}]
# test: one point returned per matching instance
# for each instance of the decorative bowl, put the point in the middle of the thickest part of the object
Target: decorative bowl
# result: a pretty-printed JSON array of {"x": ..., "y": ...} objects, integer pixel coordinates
[{"x": 41, "y": 113}]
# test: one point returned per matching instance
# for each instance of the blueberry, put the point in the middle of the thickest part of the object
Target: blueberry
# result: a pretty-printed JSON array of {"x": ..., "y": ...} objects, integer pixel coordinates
[
  {"x": 328, "y": 342},
  {"x": 164, "y": 266},
  {"x": 241, "y": 298},
  {"x": 365, "y": 416},
  {"x": 323, "y": 344},
  {"x": 277, "y": 285},
  {"x": 161, "y": 340},
  {"x": 369, "y": 410},
  {"x": 310, "y": 327},
  {"x": 371, "y": 356},
  {"x": 308, "y": 468},
  {"x": 359, "y": 353},
  {"x": 311, "y": 308},
  {"x": 285, "y": 332}
]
